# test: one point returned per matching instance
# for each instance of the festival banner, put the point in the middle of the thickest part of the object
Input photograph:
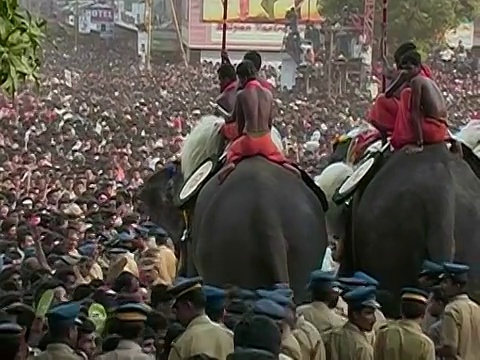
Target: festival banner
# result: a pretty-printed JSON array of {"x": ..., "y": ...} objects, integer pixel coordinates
[{"x": 260, "y": 11}]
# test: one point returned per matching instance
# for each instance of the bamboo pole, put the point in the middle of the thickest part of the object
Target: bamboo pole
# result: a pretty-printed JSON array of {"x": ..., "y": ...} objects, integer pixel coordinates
[
  {"x": 383, "y": 43},
  {"x": 224, "y": 25},
  {"x": 179, "y": 34},
  {"x": 148, "y": 25}
]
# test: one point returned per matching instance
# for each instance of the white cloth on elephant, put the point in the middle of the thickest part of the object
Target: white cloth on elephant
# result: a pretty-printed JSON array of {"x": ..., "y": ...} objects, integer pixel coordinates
[{"x": 328, "y": 264}]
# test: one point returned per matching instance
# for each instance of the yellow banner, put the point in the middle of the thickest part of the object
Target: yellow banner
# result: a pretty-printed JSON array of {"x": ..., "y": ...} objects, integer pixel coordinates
[{"x": 259, "y": 11}]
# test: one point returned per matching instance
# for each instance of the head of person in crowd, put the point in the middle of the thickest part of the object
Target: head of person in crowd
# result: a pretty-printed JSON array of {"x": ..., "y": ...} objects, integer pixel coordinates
[
  {"x": 149, "y": 342},
  {"x": 283, "y": 297},
  {"x": 11, "y": 339},
  {"x": 63, "y": 321},
  {"x": 324, "y": 287},
  {"x": 274, "y": 311},
  {"x": 362, "y": 304},
  {"x": 413, "y": 304},
  {"x": 246, "y": 72},
  {"x": 86, "y": 342},
  {"x": 129, "y": 321},
  {"x": 402, "y": 50},
  {"x": 437, "y": 301},
  {"x": 189, "y": 298},
  {"x": 429, "y": 275},
  {"x": 455, "y": 279},
  {"x": 411, "y": 63},
  {"x": 256, "y": 337},
  {"x": 255, "y": 58},
  {"x": 226, "y": 75},
  {"x": 215, "y": 303}
]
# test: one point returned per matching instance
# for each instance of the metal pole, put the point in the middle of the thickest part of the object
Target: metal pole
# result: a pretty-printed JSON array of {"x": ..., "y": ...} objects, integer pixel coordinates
[
  {"x": 329, "y": 63},
  {"x": 76, "y": 25},
  {"x": 383, "y": 43},
  {"x": 148, "y": 4},
  {"x": 178, "y": 31},
  {"x": 224, "y": 25}
]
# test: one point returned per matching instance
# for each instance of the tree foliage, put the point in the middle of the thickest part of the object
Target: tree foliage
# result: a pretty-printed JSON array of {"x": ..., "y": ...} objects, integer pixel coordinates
[
  {"x": 20, "y": 38},
  {"x": 423, "y": 21}
]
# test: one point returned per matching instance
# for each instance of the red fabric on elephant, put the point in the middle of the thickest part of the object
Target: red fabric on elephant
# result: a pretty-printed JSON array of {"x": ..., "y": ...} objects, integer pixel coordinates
[
  {"x": 230, "y": 130},
  {"x": 362, "y": 142},
  {"x": 384, "y": 113},
  {"x": 434, "y": 130},
  {"x": 248, "y": 146}
]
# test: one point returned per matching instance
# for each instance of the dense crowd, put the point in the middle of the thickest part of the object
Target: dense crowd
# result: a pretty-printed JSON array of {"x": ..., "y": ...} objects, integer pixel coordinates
[{"x": 73, "y": 155}]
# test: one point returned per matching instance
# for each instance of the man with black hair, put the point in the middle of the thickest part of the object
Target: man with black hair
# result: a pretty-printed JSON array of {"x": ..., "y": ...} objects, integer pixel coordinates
[
  {"x": 226, "y": 99},
  {"x": 253, "y": 114},
  {"x": 422, "y": 112},
  {"x": 325, "y": 296},
  {"x": 86, "y": 345},
  {"x": 201, "y": 336},
  {"x": 256, "y": 59},
  {"x": 435, "y": 309},
  {"x": 460, "y": 329},
  {"x": 62, "y": 332},
  {"x": 404, "y": 339},
  {"x": 11, "y": 339},
  {"x": 349, "y": 342},
  {"x": 384, "y": 111}
]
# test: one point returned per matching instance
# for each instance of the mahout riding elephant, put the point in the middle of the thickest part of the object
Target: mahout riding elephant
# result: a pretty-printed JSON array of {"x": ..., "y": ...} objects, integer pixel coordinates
[
  {"x": 262, "y": 225},
  {"x": 414, "y": 207}
]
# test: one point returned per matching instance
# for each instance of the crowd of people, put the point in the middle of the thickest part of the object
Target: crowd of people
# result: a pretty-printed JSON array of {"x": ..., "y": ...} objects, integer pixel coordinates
[{"x": 74, "y": 154}]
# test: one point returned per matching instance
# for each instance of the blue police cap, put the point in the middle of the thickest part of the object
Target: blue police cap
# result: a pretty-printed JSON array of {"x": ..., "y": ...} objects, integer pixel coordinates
[
  {"x": 275, "y": 296},
  {"x": 157, "y": 231},
  {"x": 213, "y": 293},
  {"x": 319, "y": 278},
  {"x": 87, "y": 249},
  {"x": 132, "y": 311},
  {"x": 370, "y": 281},
  {"x": 283, "y": 289},
  {"x": 362, "y": 296},
  {"x": 185, "y": 285},
  {"x": 430, "y": 268},
  {"x": 148, "y": 224},
  {"x": 456, "y": 271},
  {"x": 142, "y": 230},
  {"x": 10, "y": 330},
  {"x": 64, "y": 314},
  {"x": 414, "y": 294},
  {"x": 350, "y": 283},
  {"x": 269, "y": 308},
  {"x": 126, "y": 236},
  {"x": 215, "y": 297},
  {"x": 117, "y": 251}
]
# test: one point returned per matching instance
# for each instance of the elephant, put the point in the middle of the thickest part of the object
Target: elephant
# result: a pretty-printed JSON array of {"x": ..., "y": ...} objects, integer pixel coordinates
[
  {"x": 261, "y": 226},
  {"x": 414, "y": 207}
]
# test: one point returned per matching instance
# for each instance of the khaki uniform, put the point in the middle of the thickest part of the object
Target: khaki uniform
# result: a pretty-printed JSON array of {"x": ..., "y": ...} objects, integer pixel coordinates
[
  {"x": 57, "y": 351},
  {"x": 126, "y": 350},
  {"x": 348, "y": 343},
  {"x": 403, "y": 340},
  {"x": 461, "y": 327},
  {"x": 380, "y": 321},
  {"x": 290, "y": 345},
  {"x": 321, "y": 316},
  {"x": 310, "y": 340},
  {"x": 202, "y": 336}
]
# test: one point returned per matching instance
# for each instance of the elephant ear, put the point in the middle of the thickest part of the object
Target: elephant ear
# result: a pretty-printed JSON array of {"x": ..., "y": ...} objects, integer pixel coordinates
[{"x": 157, "y": 196}]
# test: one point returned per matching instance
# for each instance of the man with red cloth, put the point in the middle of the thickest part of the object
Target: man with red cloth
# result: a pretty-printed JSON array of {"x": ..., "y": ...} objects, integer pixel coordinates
[
  {"x": 256, "y": 59},
  {"x": 226, "y": 100},
  {"x": 422, "y": 113},
  {"x": 384, "y": 111},
  {"x": 253, "y": 114}
]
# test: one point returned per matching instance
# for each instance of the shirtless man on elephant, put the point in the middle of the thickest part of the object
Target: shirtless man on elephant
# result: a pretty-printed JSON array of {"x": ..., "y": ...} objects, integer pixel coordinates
[
  {"x": 253, "y": 116},
  {"x": 422, "y": 112}
]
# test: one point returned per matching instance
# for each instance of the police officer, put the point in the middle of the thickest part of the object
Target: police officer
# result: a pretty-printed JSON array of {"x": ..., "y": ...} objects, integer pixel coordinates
[
  {"x": 325, "y": 294},
  {"x": 215, "y": 304},
  {"x": 460, "y": 327},
  {"x": 403, "y": 339},
  {"x": 129, "y": 323},
  {"x": 350, "y": 342},
  {"x": 201, "y": 336},
  {"x": 62, "y": 331}
]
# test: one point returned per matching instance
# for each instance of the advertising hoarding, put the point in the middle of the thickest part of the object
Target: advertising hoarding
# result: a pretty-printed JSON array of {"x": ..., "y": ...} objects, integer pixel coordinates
[{"x": 259, "y": 11}]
